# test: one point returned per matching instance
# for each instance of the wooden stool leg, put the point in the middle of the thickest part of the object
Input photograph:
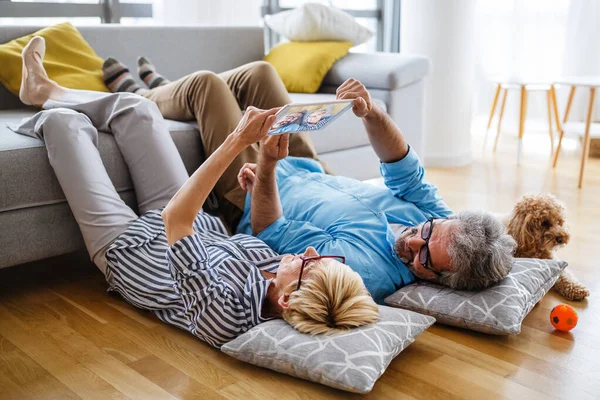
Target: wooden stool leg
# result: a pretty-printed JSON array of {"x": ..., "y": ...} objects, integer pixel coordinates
[
  {"x": 569, "y": 103},
  {"x": 505, "y": 92},
  {"x": 492, "y": 111},
  {"x": 557, "y": 121},
  {"x": 586, "y": 138},
  {"x": 549, "y": 101},
  {"x": 522, "y": 115},
  {"x": 565, "y": 118}
]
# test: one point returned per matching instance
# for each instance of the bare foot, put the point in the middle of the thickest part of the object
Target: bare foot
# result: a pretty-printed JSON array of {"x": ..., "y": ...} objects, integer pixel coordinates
[{"x": 36, "y": 87}]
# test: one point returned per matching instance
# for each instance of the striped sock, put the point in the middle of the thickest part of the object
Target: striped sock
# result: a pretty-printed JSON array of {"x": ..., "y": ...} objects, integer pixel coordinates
[
  {"x": 147, "y": 73},
  {"x": 117, "y": 77}
]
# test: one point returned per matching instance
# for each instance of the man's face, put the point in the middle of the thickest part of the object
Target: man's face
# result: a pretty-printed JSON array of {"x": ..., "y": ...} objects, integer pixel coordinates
[
  {"x": 409, "y": 244},
  {"x": 316, "y": 116}
]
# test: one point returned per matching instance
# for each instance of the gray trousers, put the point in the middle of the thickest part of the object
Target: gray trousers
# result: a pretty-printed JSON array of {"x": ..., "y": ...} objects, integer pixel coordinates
[{"x": 69, "y": 128}]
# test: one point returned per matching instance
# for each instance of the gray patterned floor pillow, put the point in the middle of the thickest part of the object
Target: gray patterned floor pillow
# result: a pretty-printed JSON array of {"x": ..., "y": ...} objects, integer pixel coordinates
[
  {"x": 499, "y": 309},
  {"x": 351, "y": 361}
]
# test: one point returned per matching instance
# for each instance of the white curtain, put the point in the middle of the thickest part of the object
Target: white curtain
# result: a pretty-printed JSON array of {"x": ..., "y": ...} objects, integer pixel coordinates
[
  {"x": 537, "y": 40},
  {"x": 582, "y": 51}
]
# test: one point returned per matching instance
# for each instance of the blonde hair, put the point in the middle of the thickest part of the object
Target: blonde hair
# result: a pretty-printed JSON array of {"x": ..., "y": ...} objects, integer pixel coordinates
[{"x": 332, "y": 299}]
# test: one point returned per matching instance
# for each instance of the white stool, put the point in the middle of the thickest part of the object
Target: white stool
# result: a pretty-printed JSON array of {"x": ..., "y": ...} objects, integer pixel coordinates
[
  {"x": 588, "y": 129},
  {"x": 524, "y": 87}
]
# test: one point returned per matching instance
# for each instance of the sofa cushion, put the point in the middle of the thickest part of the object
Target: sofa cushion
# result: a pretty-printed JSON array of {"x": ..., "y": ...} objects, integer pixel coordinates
[
  {"x": 27, "y": 179},
  {"x": 346, "y": 132},
  {"x": 312, "y": 60},
  {"x": 69, "y": 60}
]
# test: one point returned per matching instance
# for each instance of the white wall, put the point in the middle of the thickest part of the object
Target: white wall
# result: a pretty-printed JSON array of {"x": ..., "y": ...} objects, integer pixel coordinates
[{"x": 443, "y": 31}]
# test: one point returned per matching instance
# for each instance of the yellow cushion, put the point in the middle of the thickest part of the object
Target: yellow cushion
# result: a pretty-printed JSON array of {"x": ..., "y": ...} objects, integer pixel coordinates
[
  {"x": 69, "y": 60},
  {"x": 303, "y": 65}
]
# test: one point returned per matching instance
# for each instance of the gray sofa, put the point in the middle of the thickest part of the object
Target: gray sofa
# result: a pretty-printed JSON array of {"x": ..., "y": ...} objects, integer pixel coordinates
[{"x": 35, "y": 220}]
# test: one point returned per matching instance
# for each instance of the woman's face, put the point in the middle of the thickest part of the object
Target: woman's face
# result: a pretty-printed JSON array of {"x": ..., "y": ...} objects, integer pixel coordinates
[
  {"x": 289, "y": 267},
  {"x": 316, "y": 116},
  {"x": 289, "y": 272},
  {"x": 288, "y": 119}
]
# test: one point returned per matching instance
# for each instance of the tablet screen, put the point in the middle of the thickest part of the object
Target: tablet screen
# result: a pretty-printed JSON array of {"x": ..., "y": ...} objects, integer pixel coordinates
[{"x": 307, "y": 117}]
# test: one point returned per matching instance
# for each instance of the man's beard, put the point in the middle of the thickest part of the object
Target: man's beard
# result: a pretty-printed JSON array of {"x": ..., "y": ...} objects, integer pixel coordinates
[{"x": 401, "y": 246}]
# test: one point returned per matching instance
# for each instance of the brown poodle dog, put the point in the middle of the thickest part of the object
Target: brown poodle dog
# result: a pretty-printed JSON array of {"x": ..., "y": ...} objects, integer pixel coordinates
[{"x": 537, "y": 223}]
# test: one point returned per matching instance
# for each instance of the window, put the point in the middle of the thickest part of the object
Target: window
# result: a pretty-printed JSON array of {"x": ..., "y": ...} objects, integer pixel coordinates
[
  {"x": 345, "y": 4},
  {"x": 80, "y": 12}
]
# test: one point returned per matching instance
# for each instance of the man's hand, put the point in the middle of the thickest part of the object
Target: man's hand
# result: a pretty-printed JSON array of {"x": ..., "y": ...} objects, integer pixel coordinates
[
  {"x": 254, "y": 125},
  {"x": 384, "y": 135},
  {"x": 356, "y": 91},
  {"x": 274, "y": 148},
  {"x": 247, "y": 176}
]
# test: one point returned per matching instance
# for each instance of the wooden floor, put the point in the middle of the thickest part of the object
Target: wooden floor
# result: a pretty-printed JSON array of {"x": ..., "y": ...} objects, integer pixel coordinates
[{"x": 62, "y": 336}]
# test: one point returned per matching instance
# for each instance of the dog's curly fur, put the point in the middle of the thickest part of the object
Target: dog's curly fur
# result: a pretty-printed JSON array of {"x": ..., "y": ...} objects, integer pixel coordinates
[{"x": 538, "y": 225}]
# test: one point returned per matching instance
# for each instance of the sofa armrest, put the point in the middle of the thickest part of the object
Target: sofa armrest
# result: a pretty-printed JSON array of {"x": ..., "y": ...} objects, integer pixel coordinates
[{"x": 387, "y": 71}]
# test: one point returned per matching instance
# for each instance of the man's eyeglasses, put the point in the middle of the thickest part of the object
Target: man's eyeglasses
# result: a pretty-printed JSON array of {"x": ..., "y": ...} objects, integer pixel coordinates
[
  {"x": 424, "y": 257},
  {"x": 307, "y": 259}
]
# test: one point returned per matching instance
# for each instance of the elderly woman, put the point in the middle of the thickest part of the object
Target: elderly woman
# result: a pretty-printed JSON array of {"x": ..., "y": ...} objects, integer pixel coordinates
[{"x": 175, "y": 260}]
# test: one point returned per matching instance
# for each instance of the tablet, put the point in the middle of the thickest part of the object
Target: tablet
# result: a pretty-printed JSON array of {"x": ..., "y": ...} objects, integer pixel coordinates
[{"x": 308, "y": 117}]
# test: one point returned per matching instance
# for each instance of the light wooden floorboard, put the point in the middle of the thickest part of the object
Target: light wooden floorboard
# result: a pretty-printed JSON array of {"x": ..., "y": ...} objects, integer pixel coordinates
[{"x": 63, "y": 336}]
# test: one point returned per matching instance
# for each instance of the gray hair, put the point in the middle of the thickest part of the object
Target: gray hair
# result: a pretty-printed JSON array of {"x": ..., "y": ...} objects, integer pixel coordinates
[{"x": 480, "y": 250}]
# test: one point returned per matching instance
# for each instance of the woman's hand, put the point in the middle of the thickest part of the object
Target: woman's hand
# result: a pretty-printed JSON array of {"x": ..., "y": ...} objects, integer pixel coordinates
[
  {"x": 247, "y": 176},
  {"x": 356, "y": 91},
  {"x": 274, "y": 148},
  {"x": 254, "y": 125}
]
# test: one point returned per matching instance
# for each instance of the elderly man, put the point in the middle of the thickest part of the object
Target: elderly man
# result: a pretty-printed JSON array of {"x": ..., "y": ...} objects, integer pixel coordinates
[{"x": 388, "y": 235}]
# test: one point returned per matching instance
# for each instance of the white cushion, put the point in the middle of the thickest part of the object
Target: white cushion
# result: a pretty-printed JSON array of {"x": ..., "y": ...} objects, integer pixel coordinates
[{"x": 316, "y": 22}]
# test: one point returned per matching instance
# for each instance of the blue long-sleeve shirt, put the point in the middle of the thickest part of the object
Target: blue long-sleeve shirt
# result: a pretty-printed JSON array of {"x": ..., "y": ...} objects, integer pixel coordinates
[{"x": 343, "y": 216}]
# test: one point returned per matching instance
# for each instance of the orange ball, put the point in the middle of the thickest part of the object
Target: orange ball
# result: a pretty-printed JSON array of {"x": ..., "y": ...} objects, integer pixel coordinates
[{"x": 563, "y": 317}]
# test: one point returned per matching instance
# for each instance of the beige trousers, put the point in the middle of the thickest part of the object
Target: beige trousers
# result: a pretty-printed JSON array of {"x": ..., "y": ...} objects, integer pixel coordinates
[{"x": 216, "y": 103}]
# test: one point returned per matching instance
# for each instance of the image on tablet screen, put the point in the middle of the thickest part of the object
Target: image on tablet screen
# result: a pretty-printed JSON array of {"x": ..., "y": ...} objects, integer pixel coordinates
[{"x": 307, "y": 117}]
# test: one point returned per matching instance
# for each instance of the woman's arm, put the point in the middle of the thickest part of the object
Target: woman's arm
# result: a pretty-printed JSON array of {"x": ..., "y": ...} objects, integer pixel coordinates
[{"x": 180, "y": 213}]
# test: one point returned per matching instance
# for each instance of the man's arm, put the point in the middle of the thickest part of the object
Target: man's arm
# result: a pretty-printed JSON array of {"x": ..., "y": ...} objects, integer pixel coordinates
[
  {"x": 401, "y": 169},
  {"x": 180, "y": 213},
  {"x": 266, "y": 205},
  {"x": 385, "y": 136}
]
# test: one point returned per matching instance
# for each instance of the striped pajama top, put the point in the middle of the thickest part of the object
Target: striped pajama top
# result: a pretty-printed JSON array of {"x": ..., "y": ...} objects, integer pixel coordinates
[{"x": 207, "y": 283}]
